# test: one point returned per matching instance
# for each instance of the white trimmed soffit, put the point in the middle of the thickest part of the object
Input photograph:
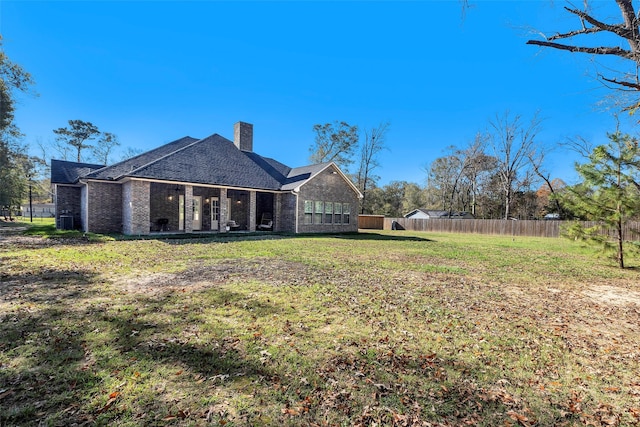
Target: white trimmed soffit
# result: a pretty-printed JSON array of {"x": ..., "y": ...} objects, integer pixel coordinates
[
  {"x": 196, "y": 184},
  {"x": 85, "y": 181}
]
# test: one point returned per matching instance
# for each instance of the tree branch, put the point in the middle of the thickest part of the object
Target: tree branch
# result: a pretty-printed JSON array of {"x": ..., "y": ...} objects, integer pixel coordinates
[
  {"x": 570, "y": 34},
  {"x": 583, "y": 49},
  {"x": 621, "y": 30},
  {"x": 632, "y": 85}
]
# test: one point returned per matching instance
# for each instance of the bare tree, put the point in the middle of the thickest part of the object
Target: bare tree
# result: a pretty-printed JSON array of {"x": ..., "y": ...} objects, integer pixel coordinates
[
  {"x": 373, "y": 144},
  {"x": 512, "y": 145},
  {"x": 335, "y": 142},
  {"x": 626, "y": 31},
  {"x": 442, "y": 177},
  {"x": 102, "y": 150},
  {"x": 477, "y": 165},
  {"x": 536, "y": 157},
  {"x": 131, "y": 152}
]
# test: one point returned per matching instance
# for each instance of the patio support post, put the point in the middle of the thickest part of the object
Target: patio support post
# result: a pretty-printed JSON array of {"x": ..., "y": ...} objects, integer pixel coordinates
[
  {"x": 224, "y": 214},
  {"x": 277, "y": 212},
  {"x": 252, "y": 211},
  {"x": 188, "y": 209}
]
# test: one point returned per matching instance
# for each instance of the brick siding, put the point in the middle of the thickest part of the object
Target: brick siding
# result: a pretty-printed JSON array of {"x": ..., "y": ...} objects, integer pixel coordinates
[
  {"x": 328, "y": 186},
  {"x": 286, "y": 205},
  {"x": 135, "y": 207},
  {"x": 68, "y": 204},
  {"x": 104, "y": 207}
]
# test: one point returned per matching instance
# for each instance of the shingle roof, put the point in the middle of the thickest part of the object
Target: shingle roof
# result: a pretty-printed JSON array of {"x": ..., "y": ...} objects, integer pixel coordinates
[
  {"x": 213, "y": 160},
  {"x": 124, "y": 167},
  {"x": 297, "y": 176},
  {"x": 216, "y": 160},
  {"x": 64, "y": 172}
]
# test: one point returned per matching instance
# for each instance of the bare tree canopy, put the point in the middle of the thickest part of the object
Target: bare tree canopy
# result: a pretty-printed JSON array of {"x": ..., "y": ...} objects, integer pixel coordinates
[
  {"x": 104, "y": 147},
  {"x": 625, "y": 32},
  {"x": 512, "y": 144},
  {"x": 335, "y": 142},
  {"x": 373, "y": 144}
]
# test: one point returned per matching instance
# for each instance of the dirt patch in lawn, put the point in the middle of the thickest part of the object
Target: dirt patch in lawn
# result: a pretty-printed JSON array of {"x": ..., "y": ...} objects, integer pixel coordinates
[
  {"x": 613, "y": 295},
  {"x": 198, "y": 277}
]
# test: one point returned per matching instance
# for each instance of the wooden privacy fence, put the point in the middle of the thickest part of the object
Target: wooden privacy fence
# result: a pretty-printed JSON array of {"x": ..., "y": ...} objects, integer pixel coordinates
[
  {"x": 496, "y": 226},
  {"x": 373, "y": 222}
]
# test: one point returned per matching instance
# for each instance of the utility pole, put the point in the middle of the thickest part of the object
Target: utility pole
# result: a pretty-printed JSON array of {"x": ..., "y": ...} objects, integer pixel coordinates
[{"x": 30, "y": 202}]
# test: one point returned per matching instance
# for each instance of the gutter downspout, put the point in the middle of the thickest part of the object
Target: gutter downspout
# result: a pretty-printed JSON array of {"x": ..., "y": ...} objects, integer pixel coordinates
[{"x": 295, "y": 193}]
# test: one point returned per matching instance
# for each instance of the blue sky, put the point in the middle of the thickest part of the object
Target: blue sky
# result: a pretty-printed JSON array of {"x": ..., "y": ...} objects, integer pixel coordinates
[{"x": 155, "y": 71}]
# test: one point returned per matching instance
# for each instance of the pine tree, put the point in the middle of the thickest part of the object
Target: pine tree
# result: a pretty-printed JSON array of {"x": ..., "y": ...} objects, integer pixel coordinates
[{"x": 609, "y": 193}]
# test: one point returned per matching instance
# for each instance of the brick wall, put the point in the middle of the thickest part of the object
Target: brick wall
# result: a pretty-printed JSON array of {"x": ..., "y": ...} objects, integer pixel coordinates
[
  {"x": 68, "y": 204},
  {"x": 286, "y": 204},
  {"x": 328, "y": 186},
  {"x": 104, "y": 207},
  {"x": 135, "y": 207}
]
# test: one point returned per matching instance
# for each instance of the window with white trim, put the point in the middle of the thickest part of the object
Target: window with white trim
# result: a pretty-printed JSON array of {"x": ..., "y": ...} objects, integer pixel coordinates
[
  {"x": 308, "y": 211},
  {"x": 346, "y": 213},
  {"x": 328, "y": 212},
  {"x": 318, "y": 211},
  {"x": 337, "y": 213}
]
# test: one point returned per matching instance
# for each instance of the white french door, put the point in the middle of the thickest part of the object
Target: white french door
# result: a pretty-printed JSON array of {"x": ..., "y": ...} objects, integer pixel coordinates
[
  {"x": 197, "y": 213},
  {"x": 215, "y": 213}
]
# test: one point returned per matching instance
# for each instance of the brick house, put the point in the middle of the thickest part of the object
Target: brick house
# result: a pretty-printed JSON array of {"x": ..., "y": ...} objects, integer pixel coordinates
[{"x": 203, "y": 185}]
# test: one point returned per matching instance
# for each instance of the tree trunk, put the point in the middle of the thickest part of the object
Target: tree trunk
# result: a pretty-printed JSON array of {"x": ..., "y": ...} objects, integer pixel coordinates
[{"x": 620, "y": 244}]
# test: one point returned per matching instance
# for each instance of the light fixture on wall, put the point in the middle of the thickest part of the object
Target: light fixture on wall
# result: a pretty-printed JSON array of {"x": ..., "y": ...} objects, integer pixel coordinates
[{"x": 177, "y": 190}]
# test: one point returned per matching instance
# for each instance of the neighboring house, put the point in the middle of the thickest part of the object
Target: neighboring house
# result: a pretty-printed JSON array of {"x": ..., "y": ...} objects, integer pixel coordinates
[
  {"x": 203, "y": 185},
  {"x": 434, "y": 214}
]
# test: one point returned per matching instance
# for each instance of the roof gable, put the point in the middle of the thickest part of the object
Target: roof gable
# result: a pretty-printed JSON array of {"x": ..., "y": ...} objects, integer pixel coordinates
[{"x": 297, "y": 177}]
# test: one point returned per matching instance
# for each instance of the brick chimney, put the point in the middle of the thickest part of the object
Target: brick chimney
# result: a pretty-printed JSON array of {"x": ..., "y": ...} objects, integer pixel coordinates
[{"x": 243, "y": 136}]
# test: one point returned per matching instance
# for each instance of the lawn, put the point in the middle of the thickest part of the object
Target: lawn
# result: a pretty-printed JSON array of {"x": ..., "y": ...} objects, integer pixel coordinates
[{"x": 380, "y": 328}]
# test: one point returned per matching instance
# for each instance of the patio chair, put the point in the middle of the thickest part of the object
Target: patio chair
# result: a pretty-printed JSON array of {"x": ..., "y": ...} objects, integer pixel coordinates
[{"x": 266, "y": 223}]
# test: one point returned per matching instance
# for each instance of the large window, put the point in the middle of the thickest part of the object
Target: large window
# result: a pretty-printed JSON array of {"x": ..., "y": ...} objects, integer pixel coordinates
[
  {"x": 308, "y": 211},
  {"x": 321, "y": 212}
]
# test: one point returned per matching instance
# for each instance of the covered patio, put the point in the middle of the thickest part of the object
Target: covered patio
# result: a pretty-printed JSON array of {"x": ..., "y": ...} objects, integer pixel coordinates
[{"x": 176, "y": 207}]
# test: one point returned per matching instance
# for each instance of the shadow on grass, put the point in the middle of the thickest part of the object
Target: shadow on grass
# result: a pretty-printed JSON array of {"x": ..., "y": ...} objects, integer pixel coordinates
[
  {"x": 248, "y": 236},
  {"x": 65, "y": 344},
  {"x": 49, "y": 230},
  {"x": 41, "y": 345}
]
